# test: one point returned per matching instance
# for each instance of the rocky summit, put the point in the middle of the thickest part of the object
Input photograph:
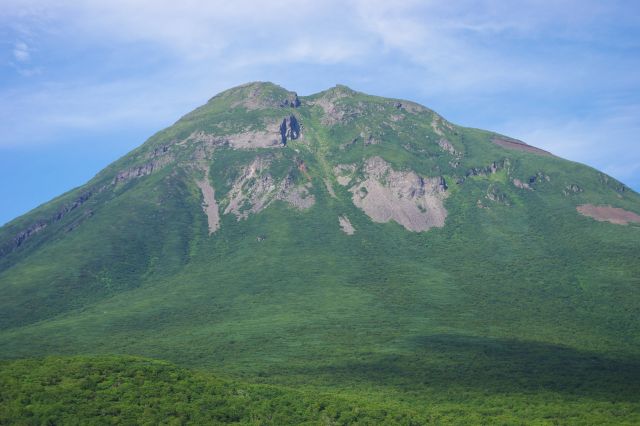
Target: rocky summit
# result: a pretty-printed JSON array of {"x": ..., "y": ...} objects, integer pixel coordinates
[{"x": 343, "y": 258}]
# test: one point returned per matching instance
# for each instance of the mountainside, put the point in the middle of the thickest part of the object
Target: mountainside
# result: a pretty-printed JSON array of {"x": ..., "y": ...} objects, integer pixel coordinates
[{"x": 344, "y": 243}]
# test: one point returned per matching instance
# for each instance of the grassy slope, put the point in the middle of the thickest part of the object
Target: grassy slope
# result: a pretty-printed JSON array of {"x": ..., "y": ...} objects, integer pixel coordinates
[{"x": 520, "y": 311}]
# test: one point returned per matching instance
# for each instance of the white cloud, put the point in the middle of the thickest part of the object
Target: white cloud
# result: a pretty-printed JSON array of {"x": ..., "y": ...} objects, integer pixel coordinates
[
  {"x": 21, "y": 52},
  {"x": 193, "y": 28},
  {"x": 456, "y": 43}
]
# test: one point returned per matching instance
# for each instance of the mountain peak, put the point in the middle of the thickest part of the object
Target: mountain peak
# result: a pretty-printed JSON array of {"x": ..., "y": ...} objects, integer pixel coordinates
[
  {"x": 336, "y": 92},
  {"x": 258, "y": 95},
  {"x": 342, "y": 237}
]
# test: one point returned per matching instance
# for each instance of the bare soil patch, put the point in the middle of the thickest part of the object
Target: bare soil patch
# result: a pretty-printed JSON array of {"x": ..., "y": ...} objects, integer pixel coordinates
[
  {"x": 608, "y": 214},
  {"x": 209, "y": 204},
  {"x": 517, "y": 145}
]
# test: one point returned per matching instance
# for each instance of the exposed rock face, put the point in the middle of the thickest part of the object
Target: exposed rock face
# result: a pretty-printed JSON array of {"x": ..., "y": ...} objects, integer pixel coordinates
[
  {"x": 344, "y": 173},
  {"x": 530, "y": 183},
  {"x": 369, "y": 139},
  {"x": 209, "y": 204},
  {"x": 256, "y": 189},
  {"x": 289, "y": 129},
  {"x": 610, "y": 214},
  {"x": 496, "y": 195},
  {"x": 297, "y": 196},
  {"x": 248, "y": 194},
  {"x": 522, "y": 185},
  {"x": 40, "y": 225},
  {"x": 410, "y": 107},
  {"x": 83, "y": 198},
  {"x": 276, "y": 134},
  {"x": 547, "y": 178},
  {"x": 539, "y": 177},
  {"x": 440, "y": 125},
  {"x": 571, "y": 189},
  {"x": 290, "y": 101},
  {"x": 138, "y": 171},
  {"x": 334, "y": 111},
  {"x": 445, "y": 145},
  {"x": 612, "y": 183},
  {"x": 269, "y": 138},
  {"x": 160, "y": 151},
  {"x": 345, "y": 225},
  {"x": 30, "y": 231},
  {"x": 142, "y": 170},
  {"x": 402, "y": 196},
  {"x": 156, "y": 159},
  {"x": 494, "y": 167},
  {"x": 442, "y": 185}
]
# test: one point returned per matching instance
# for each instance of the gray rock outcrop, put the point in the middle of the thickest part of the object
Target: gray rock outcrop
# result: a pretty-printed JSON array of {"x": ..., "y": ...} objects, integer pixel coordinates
[{"x": 413, "y": 201}]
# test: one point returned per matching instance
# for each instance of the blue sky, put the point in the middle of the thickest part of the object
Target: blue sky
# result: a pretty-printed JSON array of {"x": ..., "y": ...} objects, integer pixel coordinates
[{"x": 83, "y": 82}]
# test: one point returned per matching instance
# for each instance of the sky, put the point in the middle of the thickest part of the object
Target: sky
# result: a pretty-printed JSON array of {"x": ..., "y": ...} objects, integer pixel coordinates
[{"x": 83, "y": 82}]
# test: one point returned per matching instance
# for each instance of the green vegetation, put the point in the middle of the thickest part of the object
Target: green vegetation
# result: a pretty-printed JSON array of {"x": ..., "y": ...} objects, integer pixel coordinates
[
  {"x": 519, "y": 311},
  {"x": 127, "y": 390}
]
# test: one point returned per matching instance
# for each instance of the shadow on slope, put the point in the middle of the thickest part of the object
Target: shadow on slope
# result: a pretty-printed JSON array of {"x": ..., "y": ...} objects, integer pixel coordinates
[{"x": 452, "y": 363}]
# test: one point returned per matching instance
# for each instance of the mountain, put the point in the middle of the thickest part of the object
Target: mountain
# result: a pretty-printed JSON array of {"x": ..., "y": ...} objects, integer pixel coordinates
[{"x": 348, "y": 245}]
